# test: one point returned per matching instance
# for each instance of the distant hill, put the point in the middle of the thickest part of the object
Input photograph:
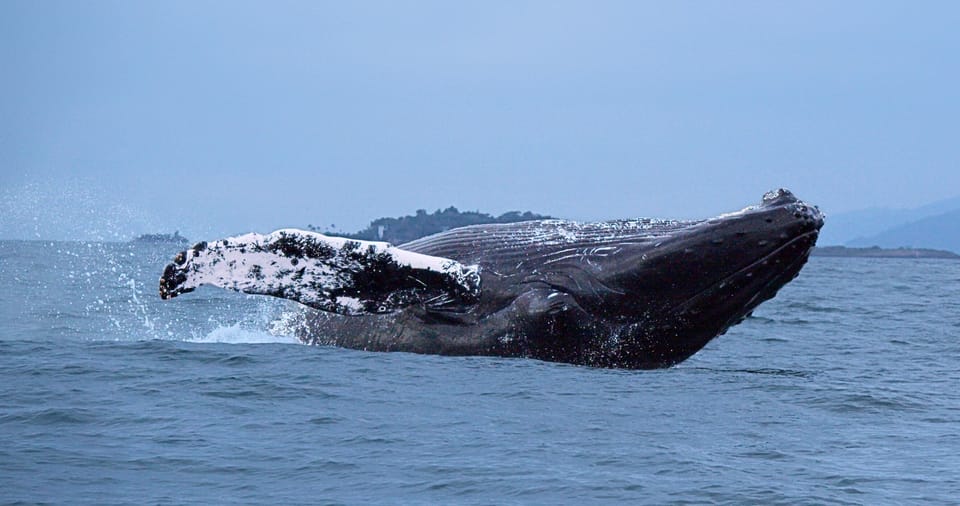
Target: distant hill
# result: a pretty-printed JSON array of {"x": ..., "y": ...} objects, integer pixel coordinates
[
  {"x": 937, "y": 232},
  {"x": 934, "y": 226},
  {"x": 853, "y": 227},
  {"x": 408, "y": 228}
]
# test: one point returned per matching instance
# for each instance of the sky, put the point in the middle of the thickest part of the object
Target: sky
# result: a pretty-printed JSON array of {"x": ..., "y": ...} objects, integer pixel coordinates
[{"x": 222, "y": 117}]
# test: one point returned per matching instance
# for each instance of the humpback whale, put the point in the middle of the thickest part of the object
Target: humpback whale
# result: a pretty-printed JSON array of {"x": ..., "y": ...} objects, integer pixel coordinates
[{"x": 637, "y": 294}]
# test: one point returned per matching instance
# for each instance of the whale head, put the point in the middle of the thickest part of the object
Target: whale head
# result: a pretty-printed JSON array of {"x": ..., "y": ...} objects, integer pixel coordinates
[{"x": 694, "y": 283}]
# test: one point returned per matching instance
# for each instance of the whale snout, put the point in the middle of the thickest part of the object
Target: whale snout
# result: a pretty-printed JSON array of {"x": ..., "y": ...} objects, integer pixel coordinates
[
  {"x": 713, "y": 274},
  {"x": 809, "y": 215},
  {"x": 770, "y": 241},
  {"x": 762, "y": 249}
]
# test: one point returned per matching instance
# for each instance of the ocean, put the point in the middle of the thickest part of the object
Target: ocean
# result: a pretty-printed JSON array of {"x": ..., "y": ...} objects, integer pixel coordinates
[{"x": 844, "y": 389}]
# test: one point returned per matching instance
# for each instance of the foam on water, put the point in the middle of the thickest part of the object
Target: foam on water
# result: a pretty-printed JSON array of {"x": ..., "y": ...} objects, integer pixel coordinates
[{"x": 237, "y": 334}]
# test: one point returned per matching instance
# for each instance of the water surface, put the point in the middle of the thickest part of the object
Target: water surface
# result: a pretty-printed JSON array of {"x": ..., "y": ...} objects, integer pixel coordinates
[{"x": 844, "y": 389}]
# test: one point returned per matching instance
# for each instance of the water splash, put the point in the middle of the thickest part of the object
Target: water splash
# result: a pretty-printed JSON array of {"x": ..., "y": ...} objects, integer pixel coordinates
[
  {"x": 114, "y": 288},
  {"x": 70, "y": 208},
  {"x": 237, "y": 334}
]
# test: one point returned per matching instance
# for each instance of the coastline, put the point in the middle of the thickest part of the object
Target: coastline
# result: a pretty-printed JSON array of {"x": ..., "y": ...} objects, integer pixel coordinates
[{"x": 878, "y": 252}]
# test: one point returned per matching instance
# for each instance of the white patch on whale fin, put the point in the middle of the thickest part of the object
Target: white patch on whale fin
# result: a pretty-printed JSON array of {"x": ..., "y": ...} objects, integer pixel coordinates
[{"x": 332, "y": 274}]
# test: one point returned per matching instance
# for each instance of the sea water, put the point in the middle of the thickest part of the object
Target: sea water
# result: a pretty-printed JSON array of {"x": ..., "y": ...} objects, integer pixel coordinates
[{"x": 844, "y": 389}]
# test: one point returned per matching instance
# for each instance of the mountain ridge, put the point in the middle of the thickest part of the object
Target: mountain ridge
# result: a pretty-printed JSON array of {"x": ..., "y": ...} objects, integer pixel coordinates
[{"x": 933, "y": 226}]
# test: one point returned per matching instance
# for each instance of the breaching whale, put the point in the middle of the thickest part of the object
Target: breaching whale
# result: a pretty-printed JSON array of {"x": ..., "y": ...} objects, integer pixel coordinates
[{"x": 628, "y": 293}]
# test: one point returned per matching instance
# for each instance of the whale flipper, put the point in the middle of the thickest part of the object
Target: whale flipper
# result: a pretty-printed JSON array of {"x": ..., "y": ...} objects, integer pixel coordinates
[{"x": 332, "y": 274}]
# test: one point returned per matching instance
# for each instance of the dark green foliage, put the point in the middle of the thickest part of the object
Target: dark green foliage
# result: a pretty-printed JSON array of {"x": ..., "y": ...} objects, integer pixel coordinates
[{"x": 408, "y": 228}]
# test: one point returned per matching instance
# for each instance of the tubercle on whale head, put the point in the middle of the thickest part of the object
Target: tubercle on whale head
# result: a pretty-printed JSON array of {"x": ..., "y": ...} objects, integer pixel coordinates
[
  {"x": 786, "y": 198},
  {"x": 776, "y": 197}
]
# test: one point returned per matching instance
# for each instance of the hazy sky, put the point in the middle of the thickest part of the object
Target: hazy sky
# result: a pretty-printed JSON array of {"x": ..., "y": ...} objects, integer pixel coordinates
[{"x": 222, "y": 117}]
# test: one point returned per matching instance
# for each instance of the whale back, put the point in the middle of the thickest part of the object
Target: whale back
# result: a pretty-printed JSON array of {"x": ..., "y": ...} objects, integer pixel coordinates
[{"x": 530, "y": 244}]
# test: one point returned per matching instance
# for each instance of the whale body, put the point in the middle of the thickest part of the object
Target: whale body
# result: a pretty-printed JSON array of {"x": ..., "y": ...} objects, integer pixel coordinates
[{"x": 638, "y": 293}]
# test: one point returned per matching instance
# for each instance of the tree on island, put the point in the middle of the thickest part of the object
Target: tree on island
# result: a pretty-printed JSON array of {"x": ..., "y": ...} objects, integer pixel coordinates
[{"x": 408, "y": 228}]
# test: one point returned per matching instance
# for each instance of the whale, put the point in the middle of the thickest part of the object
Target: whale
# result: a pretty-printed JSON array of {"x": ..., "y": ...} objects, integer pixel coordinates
[{"x": 630, "y": 293}]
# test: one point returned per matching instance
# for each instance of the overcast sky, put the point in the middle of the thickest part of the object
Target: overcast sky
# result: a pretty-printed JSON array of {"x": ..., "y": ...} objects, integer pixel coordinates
[{"x": 222, "y": 117}]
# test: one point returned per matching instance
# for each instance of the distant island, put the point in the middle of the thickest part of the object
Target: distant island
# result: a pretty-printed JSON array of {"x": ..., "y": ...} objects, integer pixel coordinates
[
  {"x": 409, "y": 228},
  {"x": 878, "y": 252},
  {"x": 174, "y": 238}
]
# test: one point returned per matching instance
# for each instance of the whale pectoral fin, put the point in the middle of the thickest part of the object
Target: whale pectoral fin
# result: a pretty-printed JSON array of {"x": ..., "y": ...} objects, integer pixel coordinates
[{"x": 332, "y": 274}]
